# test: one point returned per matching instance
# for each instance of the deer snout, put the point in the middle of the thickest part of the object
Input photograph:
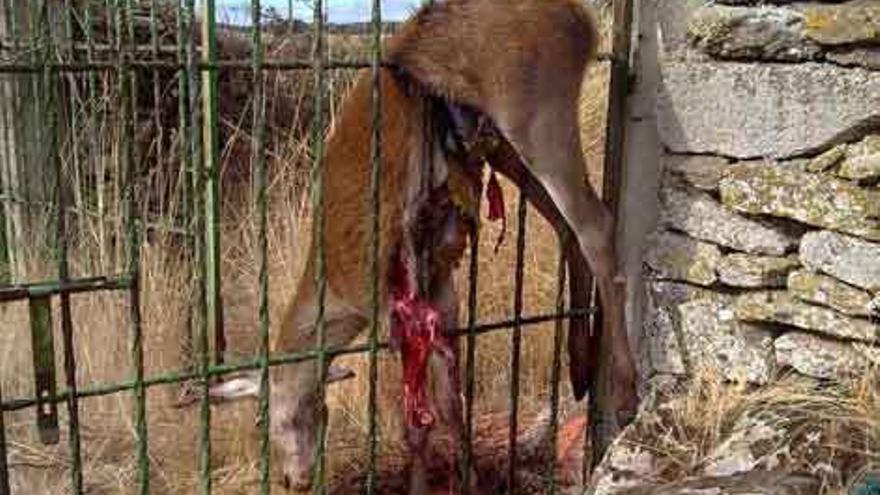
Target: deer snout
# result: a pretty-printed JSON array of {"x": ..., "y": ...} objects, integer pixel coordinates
[{"x": 296, "y": 482}]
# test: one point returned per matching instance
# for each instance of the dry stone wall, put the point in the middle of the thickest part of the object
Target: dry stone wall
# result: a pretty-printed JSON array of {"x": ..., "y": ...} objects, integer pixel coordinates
[{"x": 767, "y": 251}]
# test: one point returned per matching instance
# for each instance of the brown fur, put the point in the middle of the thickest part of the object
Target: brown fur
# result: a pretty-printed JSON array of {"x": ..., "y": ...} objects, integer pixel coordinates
[
  {"x": 346, "y": 201},
  {"x": 471, "y": 52},
  {"x": 519, "y": 64}
]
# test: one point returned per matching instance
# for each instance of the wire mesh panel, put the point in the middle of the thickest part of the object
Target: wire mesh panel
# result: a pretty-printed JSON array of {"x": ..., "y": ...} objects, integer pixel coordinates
[{"x": 151, "y": 136}]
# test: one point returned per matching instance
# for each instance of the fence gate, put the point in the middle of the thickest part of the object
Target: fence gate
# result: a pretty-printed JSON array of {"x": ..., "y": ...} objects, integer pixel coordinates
[{"x": 111, "y": 141}]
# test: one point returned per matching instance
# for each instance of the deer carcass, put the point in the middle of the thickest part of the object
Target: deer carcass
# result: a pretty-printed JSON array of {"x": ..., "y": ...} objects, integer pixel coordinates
[{"x": 464, "y": 82}]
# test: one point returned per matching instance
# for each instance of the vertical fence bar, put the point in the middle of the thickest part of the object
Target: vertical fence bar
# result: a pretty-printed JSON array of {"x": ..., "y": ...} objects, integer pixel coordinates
[
  {"x": 211, "y": 165},
  {"x": 130, "y": 174},
  {"x": 471, "y": 356},
  {"x": 4, "y": 468},
  {"x": 199, "y": 235},
  {"x": 186, "y": 156},
  {"x": 54, "y": 153},
  {"x": 19, "y": 153},
  {"x": 114, "y": 35},
  {"x": 375, "y": 199},
  {"x": 34, "y": 100},
  {"x": 618, "y": 90},
  {"x": 43, "y": 351},
  {"x": 47, "y": 81},
  {"x": 95, "y": 151},
  {"x": 72, "y": 134},
  {"x": 11, "y": 141},
  {"x": 317, "y": 172},
  {"x": 7, "y": 215},
  {"x": 290, "y": 27},
  {"x": 157, "y": 106},
  {"x": 259, "y": 160},
  {"x": 516, "y": 341},
  {"x": 556, "y": 369}
]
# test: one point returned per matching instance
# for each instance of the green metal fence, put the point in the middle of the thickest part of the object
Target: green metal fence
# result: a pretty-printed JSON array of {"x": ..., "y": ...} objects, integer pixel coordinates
[{"x": 57, "y": 54}]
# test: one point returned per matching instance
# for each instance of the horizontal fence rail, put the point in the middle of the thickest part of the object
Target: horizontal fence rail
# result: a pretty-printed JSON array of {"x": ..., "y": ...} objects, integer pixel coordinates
[{"x": 81, "y": 83}]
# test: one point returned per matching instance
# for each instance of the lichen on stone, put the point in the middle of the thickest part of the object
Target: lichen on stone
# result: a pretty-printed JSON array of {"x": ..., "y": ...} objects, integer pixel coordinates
[
  {"x": 677, "y": 257},
  {"x": 743, "y": 270},
  {"x": 850, "y": 259},
  {"x": 844, "y": 23},
  {"x": 862, "y": 160},
  {"x": 827, "y": 160},
  {"x": 764, "y": 188},
  {"x": 780, "y": 307},
  {"x": 821, "y": 289}
]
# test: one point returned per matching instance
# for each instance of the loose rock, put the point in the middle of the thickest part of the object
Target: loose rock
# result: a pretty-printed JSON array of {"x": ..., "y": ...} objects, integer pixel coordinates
[
  {"x": 699, "y": 171},
  {"x": 717, "y": 342},
  {"x": 677, "y": 257},
  {"x": 661, "y": 349},
  {"x": 753, "y": 483},
  {"x": 853, "y": 260},
  {"x": 828, "y": 159},
  {"x": 743, "y": 270},
  {"x": 762, "y": 110},
  {"x": 821, "y": 289},
  {"x": 763, "y": 188},
  {"x": 767, "y": 33},
  {"x": 856, "y": 57},
  {"x": 862, "y": 160},
  {"x": 781, "y": 307},
  {"x": 701, "y": 216},
  {"x": 746, "y": 447},
  {"x": 845, "y": 23},
  {"x": 820, "y": 358},
  {"x": 626, "y": 465}
]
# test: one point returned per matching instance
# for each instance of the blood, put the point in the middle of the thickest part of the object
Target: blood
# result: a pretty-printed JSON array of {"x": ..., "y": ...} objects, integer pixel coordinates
[
  {"x": 495, "y": 197},
  {"x": 415, "y": 328}
]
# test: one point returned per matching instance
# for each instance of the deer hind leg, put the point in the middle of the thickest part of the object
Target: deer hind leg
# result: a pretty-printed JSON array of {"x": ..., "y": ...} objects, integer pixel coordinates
[{"x": 548, "y": 143}]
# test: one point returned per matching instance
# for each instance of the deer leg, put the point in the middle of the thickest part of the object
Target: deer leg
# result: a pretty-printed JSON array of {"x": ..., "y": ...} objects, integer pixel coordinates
[
  {"x": 614, "y": 395},
  {"x": 548, "y": 143},
  {"x": 445, "y": 367}
]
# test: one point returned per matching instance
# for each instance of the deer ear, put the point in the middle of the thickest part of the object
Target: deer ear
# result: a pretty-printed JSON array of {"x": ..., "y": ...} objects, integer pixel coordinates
[
  {"x": 232, "y": 389},
  {"x": 339, "y": 374},
  {"x": 236, "y": 388}
]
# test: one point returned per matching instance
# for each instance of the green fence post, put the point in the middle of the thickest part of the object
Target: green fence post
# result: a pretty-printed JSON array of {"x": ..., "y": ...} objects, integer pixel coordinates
[
  {"x": 200, "y": 237},
  {"x": 15, "y": 148},
  {"x": 317, "y": 173},
  {"x": 211, "y": 170},
  {"x": 187, "y": 182},
  {"x": 516, "y": 342},
  {"x": 471, "y": 355},
  {"x": 130, "y": 172},
  {"x": 375, "y": 200},
  {"x": 43, "y": 353},
  {"x": 50, "y": 84},
  {"x": 556, "y": 370},
  {"x": 4, "y": 469},
  {"x": 8, "y": 162},
  {"x": 259, "y": 166}
]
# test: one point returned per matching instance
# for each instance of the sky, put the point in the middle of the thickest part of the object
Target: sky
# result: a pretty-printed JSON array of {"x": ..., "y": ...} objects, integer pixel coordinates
[{"x": 338, "y": 11}]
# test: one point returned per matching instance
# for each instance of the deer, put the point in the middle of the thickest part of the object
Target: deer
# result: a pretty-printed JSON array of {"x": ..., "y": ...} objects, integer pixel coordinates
[{"x": 463, "y": 83}]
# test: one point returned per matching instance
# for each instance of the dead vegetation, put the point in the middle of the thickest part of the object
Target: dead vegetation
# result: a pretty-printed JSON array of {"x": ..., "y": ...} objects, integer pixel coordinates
[{"x": 828, "y": 429}]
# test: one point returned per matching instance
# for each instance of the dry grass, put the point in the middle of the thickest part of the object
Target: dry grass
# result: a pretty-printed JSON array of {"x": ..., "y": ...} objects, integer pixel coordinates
[{"x": 833, "y": 427}]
